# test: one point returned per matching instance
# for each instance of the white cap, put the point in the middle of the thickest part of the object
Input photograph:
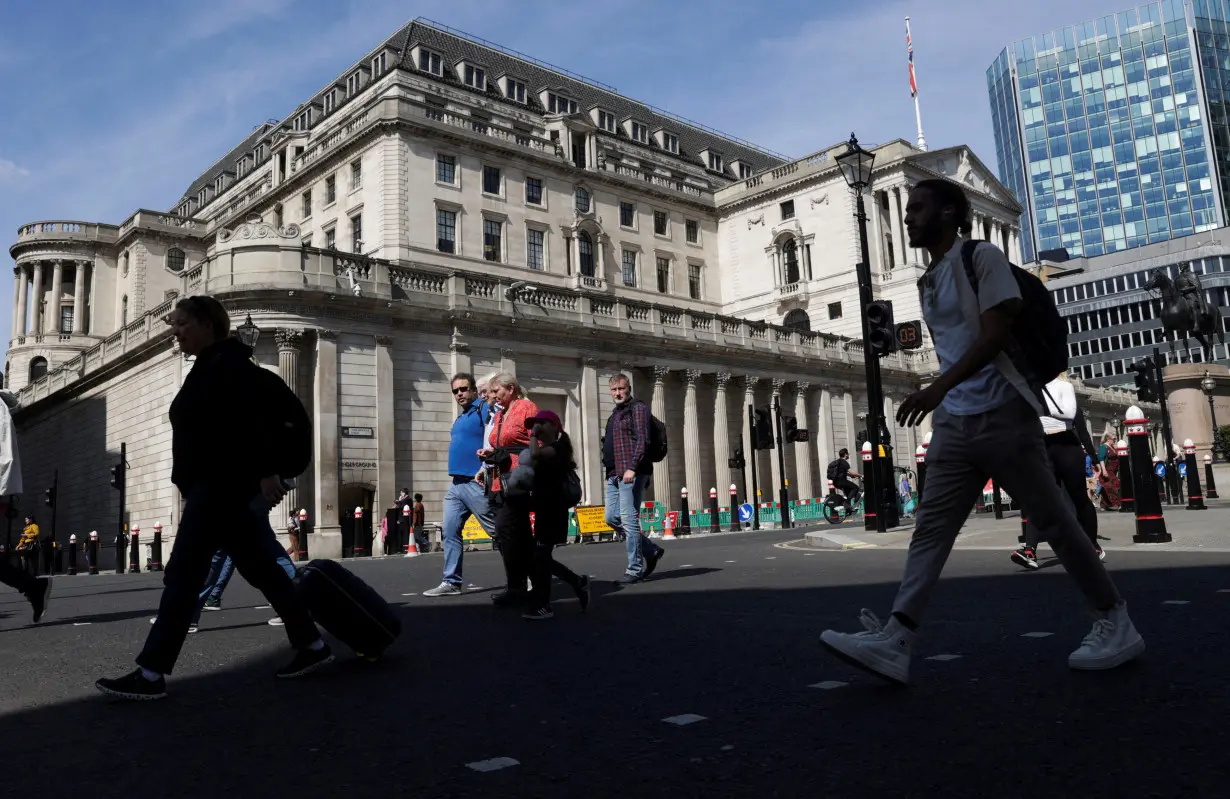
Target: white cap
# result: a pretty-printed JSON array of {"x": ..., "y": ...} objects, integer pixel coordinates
[
  {"x": 1187, "y": 442},
  {"x": 920, "y": 450},
  {"x": 866, "y": 446},
  {"x": 927, "y": 440},
  {"x": 733, "y": 487},
  {"x": 1208, "y": 458},
  {"x": 683, "y": 492},
  {"x": 1134, "y": 413}
]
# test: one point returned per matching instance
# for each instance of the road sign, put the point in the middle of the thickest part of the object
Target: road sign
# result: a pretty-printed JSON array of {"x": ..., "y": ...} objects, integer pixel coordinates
[
  {"x": 909, "y": 335},
  {"x": 745, "y": 512},
  {"x": 1160, "y": 469},
  {"x": 1183, "y": 470}
]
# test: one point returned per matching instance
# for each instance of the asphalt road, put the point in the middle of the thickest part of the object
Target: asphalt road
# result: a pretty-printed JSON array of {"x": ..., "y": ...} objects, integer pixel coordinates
[{"x": 727, "y": 631}]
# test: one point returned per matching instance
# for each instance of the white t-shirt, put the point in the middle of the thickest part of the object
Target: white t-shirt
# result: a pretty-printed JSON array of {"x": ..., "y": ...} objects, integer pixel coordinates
[
  {"x": 955, "y": 328},
  {"x": 1060, "y": 414}
]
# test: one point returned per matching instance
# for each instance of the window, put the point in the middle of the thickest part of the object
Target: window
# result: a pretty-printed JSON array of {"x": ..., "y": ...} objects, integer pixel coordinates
[
  {"x": 797, "y": 320},
  {"x": 475, "y": 78},
  {"x": 446, "y": 230},
  {"x": 533, "y": 191},
  {"x": 535, "y": 249},
  {"x": 558, "y": 104},
  {"x": 431, "y": 62},
  {"x": 659, "y": 223},
  {"x": 303, "y": 121},
  {"x": 606, "y": 121},
  {"x": 491, "y": 180},
  {"x": 670, "y": 142},
  {"x": 124, "y": 311},
  {"x": 715, "y": 162},
  {"x": 38, "y": 366},
  {"x": 356, "y": 174},
  {"x": 492, "y": 244},
  {"x": 629, "y": 268},
  {"x": 692, "y": 231},
  {"x": 446, "y": 169},
  {"x": 639, "y": 132},
  {"x": 834, "y": 310},
  {"x": 790, "y": 263},
  {"x": 787, "y": 210},
  {"x": 582, "y": 200},
  {"x": 745, "y": 171},
  {"x": 307, "y": 203},
  {"x": 627, "y": 215},
  {"x": 664, "y": 275},
  {"x": 175, "y": 260},
  {"x": 515, "y": 90},
  {"x": 330, "y": 190},
  {"x": 66, "y": 318},
  {"x": 585, "y": 246},
  {"x": 354, "y": 83},
  {"x": 379, "y": 64},
  {"x": 694, "y": 281},
  {"x": 331, "y": 239},
  {"x": 356, "y": 232}
]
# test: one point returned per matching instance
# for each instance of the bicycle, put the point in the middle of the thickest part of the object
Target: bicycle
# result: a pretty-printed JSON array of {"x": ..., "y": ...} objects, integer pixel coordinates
[{"x": 837, "y": 507}]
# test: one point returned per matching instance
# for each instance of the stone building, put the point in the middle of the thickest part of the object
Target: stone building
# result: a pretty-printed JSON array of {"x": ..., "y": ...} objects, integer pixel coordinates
[{"x": 447, "y": 206}]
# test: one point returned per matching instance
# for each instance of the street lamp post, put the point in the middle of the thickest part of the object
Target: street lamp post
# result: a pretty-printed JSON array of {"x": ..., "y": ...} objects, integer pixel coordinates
[
  {"x": 249, "y": 334},
  {"x": 1208, "y": 385},
  {"x": 856, "y": 164}
]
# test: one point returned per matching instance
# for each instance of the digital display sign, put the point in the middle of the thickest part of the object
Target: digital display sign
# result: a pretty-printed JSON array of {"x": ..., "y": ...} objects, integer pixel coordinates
[{"x": 909, "y": 335}]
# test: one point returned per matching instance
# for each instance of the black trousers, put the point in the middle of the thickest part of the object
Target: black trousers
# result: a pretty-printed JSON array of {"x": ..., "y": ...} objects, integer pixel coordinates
[
  {"x": 1068, "y": 461},
  {"x": 545, "y": 566},
  {"x": 514, "y": 538},
  {"x": 212, "y": 521},
  {"x": 17, "y": 578}
]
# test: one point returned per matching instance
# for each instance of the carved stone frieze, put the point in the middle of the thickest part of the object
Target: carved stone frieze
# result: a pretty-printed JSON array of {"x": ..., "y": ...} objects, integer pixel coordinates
[
  {"x": 256, "y": 228},
  {"x": 288, "y": 339}
]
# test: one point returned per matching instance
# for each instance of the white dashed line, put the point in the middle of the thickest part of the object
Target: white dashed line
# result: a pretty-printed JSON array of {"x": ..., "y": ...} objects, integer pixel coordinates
[
  {"x": 686, "y": 718},
  {"x": 1176, "y": 602},
  {"x": 686, "y": 566},
  {"x": 1223, "y": 590},
  {"x": 829, "y": 685},
  {"x": 410, "y": 594},
  {"x": 730, "y": 561},
  {"x": 943, "y": 658},
  {"x": 1036, "y": 635},
  {"x": 727, "y": 748},
  {"x": 494, "y": 764},
  {"x": 82, "y": 623},
  {"x": 262, "y": 607},
  {"x": 773, "y": 558}
]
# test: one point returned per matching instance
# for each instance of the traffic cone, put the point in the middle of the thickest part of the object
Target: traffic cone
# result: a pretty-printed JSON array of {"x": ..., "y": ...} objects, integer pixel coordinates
[
  {"x": 668, "y": 527},
  {"x": 412, "y": 548}
]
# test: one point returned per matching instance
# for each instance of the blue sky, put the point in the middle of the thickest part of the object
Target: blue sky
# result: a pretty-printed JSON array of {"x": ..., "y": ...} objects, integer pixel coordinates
[{"x": 119, "y": 105}]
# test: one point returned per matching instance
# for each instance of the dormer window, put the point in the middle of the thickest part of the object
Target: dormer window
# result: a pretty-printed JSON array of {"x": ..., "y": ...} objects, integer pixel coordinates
[
  {"x": 712, "y": 159},
  {"x": 431, "y": 63},
  {"x": 745, "y": 170},
  {"x": 262, "y": 150},
  {"x": 330, "y": 101},
  {"x": 303, "y": 121},
  {"x": 667, "y": 141},
  {"x": 514, "y": 90},
  {"x": 638, "y": 132},
  {"x": 559, "y": 104},
  {"x": 606, "y": 121},
  {"x": 474, "y": 77},
  {"x": 380, "y": 64},
  {"x": 220, "y": 184},
  {"x": 354, "y": 83}
]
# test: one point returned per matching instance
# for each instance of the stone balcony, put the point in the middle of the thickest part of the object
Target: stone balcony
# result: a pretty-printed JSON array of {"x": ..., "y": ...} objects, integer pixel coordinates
[
  {"x": 163, "y": 222},
  {"x": 63, "y": 230}
]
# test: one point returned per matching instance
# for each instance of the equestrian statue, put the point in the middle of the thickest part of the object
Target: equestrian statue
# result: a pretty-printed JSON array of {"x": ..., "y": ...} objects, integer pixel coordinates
[{"x": 1185, "y": 309}]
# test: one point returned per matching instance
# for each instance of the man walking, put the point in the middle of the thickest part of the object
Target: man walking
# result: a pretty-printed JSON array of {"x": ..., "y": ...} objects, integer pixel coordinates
[
  {"x": 985, "y": 424},
  {"x": 465, "y": 497},
  {"x": 35, "y": 589},
  {"x": 629, "y": 468}
]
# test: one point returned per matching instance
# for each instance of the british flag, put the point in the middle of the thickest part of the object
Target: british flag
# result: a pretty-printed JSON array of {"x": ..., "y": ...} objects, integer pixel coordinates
[{"x": 909, "y": 46}]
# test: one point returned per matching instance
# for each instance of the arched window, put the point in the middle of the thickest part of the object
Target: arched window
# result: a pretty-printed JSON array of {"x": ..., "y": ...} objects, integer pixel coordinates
[
  {"x": 790, "y": 263},
  {"x": 586, "y": 247},
  {"x": 797, "y": 320},
  {"x": 124, "y": 311},
  {"x": 582, "y": 200},
  {"x": 38, "y": 368},
  {"x": 175, "y": 260}
]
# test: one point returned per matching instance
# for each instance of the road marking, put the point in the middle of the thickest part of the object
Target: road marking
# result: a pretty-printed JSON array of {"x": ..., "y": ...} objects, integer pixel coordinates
[
  {"x": 494, "y": 764},
  {"x": 686, "y": 718},
  {"x": 727, "y": 748},
  {"x": 262, "y": 607},
  {"x": 82, "y": 623},
  {"x": 829, "y": 685},
  {"x": 1036, "y": 635},
  {"x": 410, "y": 594},
  {"x": 943, "y": 658},
  {"x": 730, "y": 561},
  {"x": 772, "y": 558},
  {"x": 1223, "y": 590},
  {"x": 686, "y": 566},
  {"x": 1176, "y": 602}
]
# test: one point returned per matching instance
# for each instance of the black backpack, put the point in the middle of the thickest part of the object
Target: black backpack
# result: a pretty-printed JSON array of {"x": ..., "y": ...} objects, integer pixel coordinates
[
  {"x": 834, "y": 469},
  {"x": 287, "y": 419},
  {"x": 1039, "y": 345},
  {"x": 657, "y": 448}
]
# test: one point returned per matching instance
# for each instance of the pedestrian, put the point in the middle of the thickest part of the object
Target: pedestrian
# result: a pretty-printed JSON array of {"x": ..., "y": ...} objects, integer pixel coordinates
[
  {"x": 230, "y": 449},
  {"x": 1108, "y": 477},
  {"x": 35, "y": 589},
  {"x": 1067, "y": 445},
  {"x": 28, "y": 546},
  {"x": 465, "y": 496},
  {"x": 839, "y": 472},
  {"x": 629, "y": 468},
  {"x": 513, "y": 535},
  {"x": 292, "y": 536},
  {"x": 554, "y": 475},
  {"x": 985, "y": 425}
]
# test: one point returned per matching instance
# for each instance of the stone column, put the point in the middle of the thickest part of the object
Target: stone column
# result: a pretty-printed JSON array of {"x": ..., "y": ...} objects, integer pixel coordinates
[
  {"x": 289, "y": 342},
  {"x": 691, "y": 442},
  {"x": 20, "y": 287},
  {"x": 589, "y": 459},
  {"x": 847, "y": 408},
  {"x": 79, "y": 298},
  {"x": 36, "y": 301},
  {"x": 628, "y": 370},
  {"x": 661, "y": 471},
  {"x": 824, "y": 433},
  {"x": 386, "y": 439},
  {"x": 508, "y": 361},
  {"x": 459, "y": 361},
  {"x": 721, "y": 437},
  {"x": 775, "y": 468},
  {"x": 57, "y": 292},
  {"x": 900, "y": 245},
  {"x": 802, "y": 452},
  {"x": 875, "y": 239},
  {"x": 326, "y": 525}
]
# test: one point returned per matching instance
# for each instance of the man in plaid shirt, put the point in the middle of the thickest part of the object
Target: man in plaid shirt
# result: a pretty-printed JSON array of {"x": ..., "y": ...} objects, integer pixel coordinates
[{"x": 628, "y": 471}]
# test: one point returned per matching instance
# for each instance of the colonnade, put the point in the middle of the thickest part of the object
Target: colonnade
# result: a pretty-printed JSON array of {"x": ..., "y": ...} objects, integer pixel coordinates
[{"x": 39, "y": 295}]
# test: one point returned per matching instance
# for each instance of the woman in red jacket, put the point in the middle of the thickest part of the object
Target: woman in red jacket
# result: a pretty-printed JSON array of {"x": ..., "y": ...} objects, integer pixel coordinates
[{"x": 513, "y": 535}]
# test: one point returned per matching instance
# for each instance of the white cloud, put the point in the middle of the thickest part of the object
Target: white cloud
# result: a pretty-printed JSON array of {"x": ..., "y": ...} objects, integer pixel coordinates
[{"x": 9, "y": 171}]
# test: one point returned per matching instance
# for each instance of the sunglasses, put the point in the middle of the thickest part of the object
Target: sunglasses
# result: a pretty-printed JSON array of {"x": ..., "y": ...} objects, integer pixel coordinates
[{"x": 462, "y": 390}]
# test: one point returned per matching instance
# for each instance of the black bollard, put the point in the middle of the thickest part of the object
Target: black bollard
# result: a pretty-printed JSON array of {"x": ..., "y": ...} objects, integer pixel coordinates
[
  {"x": 1195, "y": 499},
  {"x": 1150, "y": 526},
  {"x": 734, "y": 509},
  {"x": 1210, "y": 488},
  {"x": 303, "y": 537},
  {"x": 870, "y": 505},
  {"x": 995, "y": 499},
  {"x": 155, "y": 551},
  {"x": 715, "y": 523},
  {"x": 1127, "y": 490},
  {"x": 72, "y": 554},
  {"x": 920, "y": 462},
  {"x": 685, "y": 518},
  {"x": 121, "y": 550},
  {"x": 91, "y": 552},
  {"x": 1020, "y": 539},
  {"x": 134, "y": 551}
]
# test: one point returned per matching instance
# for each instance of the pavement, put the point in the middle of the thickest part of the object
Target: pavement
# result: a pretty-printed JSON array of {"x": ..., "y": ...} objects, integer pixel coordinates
[{"x": 707, "y": 680}]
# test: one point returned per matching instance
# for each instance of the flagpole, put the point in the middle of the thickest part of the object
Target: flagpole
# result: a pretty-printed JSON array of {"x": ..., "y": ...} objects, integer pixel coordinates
[{"x": 922, "y": 140}]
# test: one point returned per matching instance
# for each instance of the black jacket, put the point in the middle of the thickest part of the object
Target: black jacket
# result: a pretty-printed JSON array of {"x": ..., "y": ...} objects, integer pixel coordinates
[{"x": 219, "y": 436}]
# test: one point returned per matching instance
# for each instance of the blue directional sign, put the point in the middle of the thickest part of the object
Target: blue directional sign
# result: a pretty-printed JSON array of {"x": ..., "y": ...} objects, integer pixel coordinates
[
  {"x": 1183, "y": 470},
  {"x": 745, "y": 512},
  {"x": 1160, "y": 469}
]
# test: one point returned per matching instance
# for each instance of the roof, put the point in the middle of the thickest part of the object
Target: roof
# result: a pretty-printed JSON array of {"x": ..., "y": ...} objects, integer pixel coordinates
[{"x": 454, "y": 46}]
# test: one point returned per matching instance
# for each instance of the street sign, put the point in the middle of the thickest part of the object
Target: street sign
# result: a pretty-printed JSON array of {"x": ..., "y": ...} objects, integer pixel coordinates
[
  {"x": 1160, "y": 469},
  {"x": 745, "y": 512},
  {"x": 802, "y": 436},
  {"x": 909, "y": 335},
  {"x": 1183, "y": 470}
]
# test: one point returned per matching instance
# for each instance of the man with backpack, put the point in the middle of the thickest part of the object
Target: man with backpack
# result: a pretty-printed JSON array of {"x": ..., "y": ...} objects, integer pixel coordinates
[
  {"x": 840, "y": 472},
  {"x": 634, "y": 442},
  {"x": 999, "y": 339}
]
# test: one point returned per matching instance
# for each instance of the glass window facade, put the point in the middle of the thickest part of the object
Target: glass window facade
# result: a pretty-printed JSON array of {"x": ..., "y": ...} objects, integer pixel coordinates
[{"x": 1102, "y": 128}]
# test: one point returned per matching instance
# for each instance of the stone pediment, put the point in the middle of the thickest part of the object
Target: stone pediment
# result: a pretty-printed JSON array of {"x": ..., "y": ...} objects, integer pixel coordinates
[{"x": 959, "y": 164}]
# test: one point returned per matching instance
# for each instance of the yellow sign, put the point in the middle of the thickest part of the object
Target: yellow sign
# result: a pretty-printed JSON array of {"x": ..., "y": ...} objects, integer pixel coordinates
[
  {"x": 592, "y": 519},
  {"x": 473, "y": 531}
]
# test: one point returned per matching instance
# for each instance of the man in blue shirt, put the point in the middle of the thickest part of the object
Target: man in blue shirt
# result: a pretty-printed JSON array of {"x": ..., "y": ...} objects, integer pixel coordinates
[{"x": 466, "y": 495}]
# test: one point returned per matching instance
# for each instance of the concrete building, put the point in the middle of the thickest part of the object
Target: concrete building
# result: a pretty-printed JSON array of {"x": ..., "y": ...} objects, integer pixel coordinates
[{"x": 445, "y": 205}]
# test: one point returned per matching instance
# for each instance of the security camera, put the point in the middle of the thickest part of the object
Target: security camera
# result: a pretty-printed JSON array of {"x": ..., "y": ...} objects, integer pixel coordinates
[{"x": 521, "y": 290}]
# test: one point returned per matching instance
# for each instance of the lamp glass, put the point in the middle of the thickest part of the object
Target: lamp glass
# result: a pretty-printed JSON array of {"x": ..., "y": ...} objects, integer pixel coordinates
[
  {"x": 248, "y": 332},
  {"x": 1208, "y": 385},
  {"x": 856, "y": 164}
]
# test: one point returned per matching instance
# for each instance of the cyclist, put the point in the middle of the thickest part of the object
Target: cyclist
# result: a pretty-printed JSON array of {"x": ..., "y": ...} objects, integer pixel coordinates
[{"x": 839, "y": 472}]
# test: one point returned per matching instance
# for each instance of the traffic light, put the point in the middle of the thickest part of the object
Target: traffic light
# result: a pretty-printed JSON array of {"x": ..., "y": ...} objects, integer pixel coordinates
[
  {"x": 791, "y": 427},
  {"x": 737, "y": 462},
  {"x": 50, "y": 498},
  {"x": 117, "y": 477},
  {"x": 764, "y": 429},
  {"x": 1146, "y": 390},
  {"x": 881, "y": 332}
]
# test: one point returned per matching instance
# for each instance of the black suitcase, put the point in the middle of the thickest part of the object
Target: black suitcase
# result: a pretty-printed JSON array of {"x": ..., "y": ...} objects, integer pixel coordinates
[{"x": 348, "y": 608}]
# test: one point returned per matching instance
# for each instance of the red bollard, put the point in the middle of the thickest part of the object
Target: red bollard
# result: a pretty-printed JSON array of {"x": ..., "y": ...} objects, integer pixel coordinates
[
  {"x": 1150, "y": 526},
  {"x": 1127, "y": 490},
  {"x": 134, "y": 552},
  {"x": 155, "y": 553},
  {"x": 1195, "y": 498},
  {"x": 715, "y": 524}
]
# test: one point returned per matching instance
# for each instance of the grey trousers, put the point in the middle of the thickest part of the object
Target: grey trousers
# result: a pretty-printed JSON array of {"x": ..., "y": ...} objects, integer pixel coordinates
[{"x": 965, "y": 452}]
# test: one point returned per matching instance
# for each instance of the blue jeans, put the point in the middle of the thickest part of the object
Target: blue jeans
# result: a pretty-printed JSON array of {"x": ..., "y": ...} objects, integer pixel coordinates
[
  {"x": 623, "y": 515},
  {"x": 222, "y": 568},
  {"x": 464, "y": 497}
]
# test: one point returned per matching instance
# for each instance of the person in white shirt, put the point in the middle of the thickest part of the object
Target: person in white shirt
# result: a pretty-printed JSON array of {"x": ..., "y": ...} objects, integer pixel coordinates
[
  {"x": 985, "y": 425},
  {"x": 1067, "y": 444},
  {"x": 35, "y": 589}
]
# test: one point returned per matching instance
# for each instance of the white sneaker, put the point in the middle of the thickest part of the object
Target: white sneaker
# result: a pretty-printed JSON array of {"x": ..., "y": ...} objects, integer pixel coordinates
[
  {"x": 276, "y": 621},
  {"x": 1112, "y": 642},
  {"x": 444, "y": 589},
  {"x": 882, "y": 650}
]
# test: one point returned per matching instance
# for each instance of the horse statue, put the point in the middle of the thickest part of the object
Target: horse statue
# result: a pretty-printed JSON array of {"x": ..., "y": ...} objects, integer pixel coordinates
[{"x": 1185, "y": 309}]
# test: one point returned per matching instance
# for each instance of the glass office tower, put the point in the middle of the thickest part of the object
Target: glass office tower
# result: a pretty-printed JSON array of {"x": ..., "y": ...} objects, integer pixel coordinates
[{"x": 1114, "y": 133}]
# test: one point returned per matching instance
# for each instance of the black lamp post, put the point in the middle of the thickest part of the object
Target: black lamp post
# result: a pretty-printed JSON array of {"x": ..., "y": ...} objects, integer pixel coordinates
[
  {"x": 1208, "y": 385},
  {"x": 856, "y": 164},
  {"x": 249, "y": 334}
]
